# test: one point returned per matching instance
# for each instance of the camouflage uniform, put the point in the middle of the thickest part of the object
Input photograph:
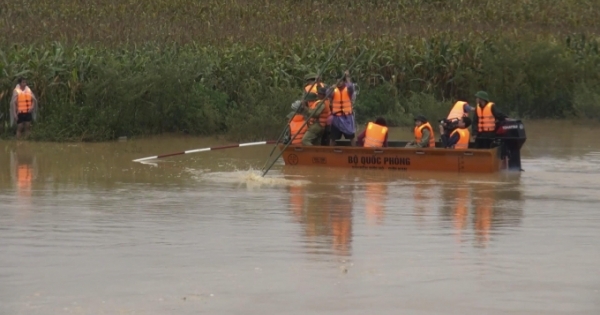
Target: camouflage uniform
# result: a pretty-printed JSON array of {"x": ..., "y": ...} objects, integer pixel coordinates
[{"x": 315, "y": 130}]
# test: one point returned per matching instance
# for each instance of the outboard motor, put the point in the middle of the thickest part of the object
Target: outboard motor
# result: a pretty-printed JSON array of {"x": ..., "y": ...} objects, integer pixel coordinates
[{"x": 511, "y": 135}]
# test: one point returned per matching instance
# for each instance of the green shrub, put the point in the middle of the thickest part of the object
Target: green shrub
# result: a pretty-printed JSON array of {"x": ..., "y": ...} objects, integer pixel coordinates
[{"x": 104, "y": 69}]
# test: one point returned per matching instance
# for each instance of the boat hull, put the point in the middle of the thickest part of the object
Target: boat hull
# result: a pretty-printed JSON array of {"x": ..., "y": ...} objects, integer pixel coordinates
[{"x": 395, "y": 158}]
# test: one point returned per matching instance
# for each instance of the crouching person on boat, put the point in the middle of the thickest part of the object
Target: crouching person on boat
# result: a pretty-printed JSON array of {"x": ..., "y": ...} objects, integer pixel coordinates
[
  {"x": 297, "y": 127},
  {"x": 342, "y": 123},
  {"x": 375, "y": 136},
  {"x": 318, "y": 112},
  {"x": 459, "y": 137},
  {"x": 424, "y": 136}
]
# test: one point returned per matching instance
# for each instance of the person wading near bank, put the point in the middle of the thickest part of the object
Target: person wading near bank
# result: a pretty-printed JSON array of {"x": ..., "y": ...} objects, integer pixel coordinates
[
  {"x": 23, "y": 105},
  {"x": 342, "y": 123},
  {"x": 317, "y": 112},
  {"x": 424, "y": 136},
  {"x": 484, "y": 121},
  {"x": 459, "y": 137},
  {"x": 375, "y": 136},
  {"x": 309, "y": 87}
]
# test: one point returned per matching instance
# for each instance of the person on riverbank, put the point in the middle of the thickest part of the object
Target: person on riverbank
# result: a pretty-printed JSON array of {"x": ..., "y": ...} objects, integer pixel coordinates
[
  {"x": 342, "y": 123},
  {"x": 375, "y": 135},
  {"x": 424, "y": 136},
  {"x": 23, "y": 105},
  {"x": 319, "y": 110},
  {"x": 484, "y": 121},
  {"x": 459, "y": 137},
  {"x": 312, "y": 83}
]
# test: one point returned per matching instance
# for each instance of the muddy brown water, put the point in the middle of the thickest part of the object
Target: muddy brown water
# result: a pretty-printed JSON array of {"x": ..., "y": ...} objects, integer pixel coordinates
[{"x": 84, "y": 230}]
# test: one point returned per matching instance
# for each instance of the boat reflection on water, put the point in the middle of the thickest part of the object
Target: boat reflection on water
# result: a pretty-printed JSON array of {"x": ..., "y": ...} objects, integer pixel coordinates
[
  {"x": 324, "y": 210},
  {"x": 455, "y": 208},
  {"x": 422, "y": 193},
  {"x": 375, "y": 196},
  {"x": 473, "y": 206},
  {"x": 489, "y": 203},
  {"x": 483, "y": 202}
]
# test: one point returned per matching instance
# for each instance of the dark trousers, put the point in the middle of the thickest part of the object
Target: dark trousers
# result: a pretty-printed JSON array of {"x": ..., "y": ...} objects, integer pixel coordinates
[
  {"x": 24, "y": 117},
  {"x": 325, "y": 137},
  {"x": 484, "y": 140}
]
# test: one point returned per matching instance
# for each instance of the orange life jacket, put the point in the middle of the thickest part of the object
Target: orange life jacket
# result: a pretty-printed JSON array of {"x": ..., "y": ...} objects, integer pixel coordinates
[
  {"x": 457, "y": 112},
  {"x": 342, "y": 103},
  {"x": 24, "y": 100},
  {"x": 486, "y": 119},
  {"x": 419, "y": 134},
  {"x": 296, "y": 128},
  {"x": 315, "y": 87},
  {"x": 463, "y": 141},
  {"x": 375, "y": 135},
  {"x": 324, "y": 114}
]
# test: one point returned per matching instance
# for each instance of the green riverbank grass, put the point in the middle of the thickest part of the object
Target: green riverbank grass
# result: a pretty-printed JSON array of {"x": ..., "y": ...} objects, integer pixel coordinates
[{"x": 106, "y": 69}]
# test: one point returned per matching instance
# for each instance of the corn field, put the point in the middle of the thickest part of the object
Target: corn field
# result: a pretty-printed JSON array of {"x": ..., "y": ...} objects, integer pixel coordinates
[{"x": 104, "y": 68}]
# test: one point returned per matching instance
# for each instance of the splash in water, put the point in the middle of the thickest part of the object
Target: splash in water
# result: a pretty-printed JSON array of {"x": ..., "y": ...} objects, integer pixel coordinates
[{"x": 251, "y": 178}]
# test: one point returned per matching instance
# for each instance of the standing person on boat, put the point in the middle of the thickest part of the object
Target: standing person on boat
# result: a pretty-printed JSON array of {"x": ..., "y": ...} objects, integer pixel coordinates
[
  {"x": 459, "y": 137},
  {"x": 459, "y": 110},
  {"x": 424, "y": 136},
  {"x": 319, "y": 110},
  {"x": 23, "y": 105},
  {"x": 342, "y": 123},
  {"x": 484, "y": 122},
  {"x": 314, "y": 81},
  {"x": 375, "y": 136}
]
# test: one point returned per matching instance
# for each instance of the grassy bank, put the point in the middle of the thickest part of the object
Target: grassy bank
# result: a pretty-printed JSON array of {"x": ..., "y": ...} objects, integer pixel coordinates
[{"x": 107, "y": 68}]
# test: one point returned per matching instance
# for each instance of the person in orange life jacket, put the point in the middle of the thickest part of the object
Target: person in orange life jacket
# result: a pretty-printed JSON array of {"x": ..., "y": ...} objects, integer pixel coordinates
[
  {"x": 342, "y": 123},
  {"x": 484, "y": 121},
  {"x": 360, "y": 140},
  {"x": 299, "y": 124},
  {"x": 460, "y": 109},
  {"x": 293, "y": 114},
  {"x": 23, "y": 105},
  {"x": 318, "y": 110},
  {"x": 309, "y": 80},
  {"x": 459, "y": 137},
  {"x": 424, "y": 136}
]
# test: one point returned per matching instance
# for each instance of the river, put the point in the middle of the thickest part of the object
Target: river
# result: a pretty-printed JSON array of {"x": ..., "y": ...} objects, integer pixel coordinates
[{"x": 84, "y": 230}]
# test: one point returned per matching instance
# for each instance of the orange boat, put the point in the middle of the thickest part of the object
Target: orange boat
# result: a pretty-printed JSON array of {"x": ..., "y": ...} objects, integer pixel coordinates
[{"x": 395, "y": 157}]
